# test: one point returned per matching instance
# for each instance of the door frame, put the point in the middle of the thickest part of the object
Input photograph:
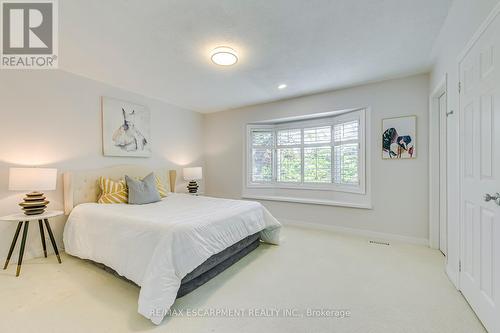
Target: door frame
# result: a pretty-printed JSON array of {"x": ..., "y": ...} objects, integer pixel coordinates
[{"x": 437, "y": 134}]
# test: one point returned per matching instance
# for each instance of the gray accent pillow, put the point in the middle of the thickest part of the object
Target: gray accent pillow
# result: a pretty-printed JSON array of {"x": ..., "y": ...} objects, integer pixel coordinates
[{"x": 143, "y": 191}]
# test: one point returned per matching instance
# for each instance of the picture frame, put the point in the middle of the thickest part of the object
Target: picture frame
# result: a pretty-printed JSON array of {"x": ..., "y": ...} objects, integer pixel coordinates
[
  {"x": 399, "y": 137},
  {"x": 126, "y": 128}
]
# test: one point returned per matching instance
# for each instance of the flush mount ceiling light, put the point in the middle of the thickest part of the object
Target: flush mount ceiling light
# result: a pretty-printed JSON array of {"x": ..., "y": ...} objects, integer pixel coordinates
[
  {"x": 224, "y": 56},
  {"x": 282, "y": 86}
]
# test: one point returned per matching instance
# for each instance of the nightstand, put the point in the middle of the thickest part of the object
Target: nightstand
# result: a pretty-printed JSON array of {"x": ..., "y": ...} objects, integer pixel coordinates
[{"x": 26, "y": 219}]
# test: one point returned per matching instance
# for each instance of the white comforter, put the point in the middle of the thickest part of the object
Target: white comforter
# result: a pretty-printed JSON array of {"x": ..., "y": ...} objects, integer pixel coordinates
[{"x": 156, "y": 245}]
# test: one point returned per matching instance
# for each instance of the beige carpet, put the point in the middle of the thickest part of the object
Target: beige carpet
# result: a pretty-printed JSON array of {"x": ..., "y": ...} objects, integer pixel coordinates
[{"x": 396, "y": 288}]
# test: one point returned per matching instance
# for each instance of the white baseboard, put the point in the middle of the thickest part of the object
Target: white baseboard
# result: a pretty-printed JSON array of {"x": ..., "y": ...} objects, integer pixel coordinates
[
  {"x": 452, "y": 275},
  {"x": 356, "y": 232}
]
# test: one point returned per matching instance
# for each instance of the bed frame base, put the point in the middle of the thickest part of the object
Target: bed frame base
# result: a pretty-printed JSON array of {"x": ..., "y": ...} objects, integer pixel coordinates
[
  {"x": 233, "y": 254},
  {"x": 209, "y": 269}
]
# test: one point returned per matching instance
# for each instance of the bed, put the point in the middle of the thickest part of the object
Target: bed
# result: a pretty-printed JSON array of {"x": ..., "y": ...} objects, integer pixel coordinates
[{"x": 168, "y": 248}]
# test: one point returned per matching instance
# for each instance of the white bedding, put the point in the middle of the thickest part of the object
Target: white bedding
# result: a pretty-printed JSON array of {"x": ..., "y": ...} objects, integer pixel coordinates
[{"x": 156, "y": 245}]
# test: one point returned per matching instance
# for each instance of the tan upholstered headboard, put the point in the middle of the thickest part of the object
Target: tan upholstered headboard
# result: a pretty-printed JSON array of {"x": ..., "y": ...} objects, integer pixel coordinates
[{"x": 81, "y": 186}]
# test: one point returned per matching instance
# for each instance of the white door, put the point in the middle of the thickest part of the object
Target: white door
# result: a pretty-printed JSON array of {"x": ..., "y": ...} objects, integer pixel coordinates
[
  {"x": 480, "y": 176},
  {"x": 443, "y": 182}
]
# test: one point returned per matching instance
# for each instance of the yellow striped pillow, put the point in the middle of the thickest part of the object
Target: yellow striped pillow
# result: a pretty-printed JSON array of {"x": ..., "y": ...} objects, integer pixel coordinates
[
  {"x": 161, "y": 188},
  {"x": 112, "y": 192}
]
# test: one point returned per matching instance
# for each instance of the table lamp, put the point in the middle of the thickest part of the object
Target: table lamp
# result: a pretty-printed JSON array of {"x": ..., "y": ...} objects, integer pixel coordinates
[
  {"x": 192, "y": 175},
  {"x": 35, "y": 180}
]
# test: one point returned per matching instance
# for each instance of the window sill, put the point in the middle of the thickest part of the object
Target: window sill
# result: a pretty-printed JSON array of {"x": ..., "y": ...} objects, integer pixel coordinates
[
  {"x": 307, "y": 201},
  {"x": 308, "y": 187}
]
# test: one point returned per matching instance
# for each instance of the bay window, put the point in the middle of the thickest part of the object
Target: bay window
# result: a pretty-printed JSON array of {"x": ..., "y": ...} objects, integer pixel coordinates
[{"x": 315, "y": 154}]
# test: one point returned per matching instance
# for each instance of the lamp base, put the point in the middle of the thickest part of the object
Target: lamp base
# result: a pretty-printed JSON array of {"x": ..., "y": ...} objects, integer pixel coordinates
[
  {"x": 193, "y": 187},
  {"x": 173, "y": 176},
  {"x": 34, "y": 203}
]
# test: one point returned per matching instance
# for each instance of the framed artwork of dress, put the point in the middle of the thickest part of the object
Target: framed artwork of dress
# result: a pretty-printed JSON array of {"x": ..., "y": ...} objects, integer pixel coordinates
[{"x": 126, "y": 128}]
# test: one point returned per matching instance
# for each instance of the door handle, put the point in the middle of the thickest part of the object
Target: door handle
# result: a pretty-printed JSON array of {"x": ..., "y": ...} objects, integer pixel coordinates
[{"x": 496, "y": 197}]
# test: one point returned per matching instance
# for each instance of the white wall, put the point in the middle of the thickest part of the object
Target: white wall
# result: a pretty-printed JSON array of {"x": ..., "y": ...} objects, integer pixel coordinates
[
  {"x": 399, "y": 188},
  {"x": 53, "y": 118},
  {"x": 463, "y": 20}
]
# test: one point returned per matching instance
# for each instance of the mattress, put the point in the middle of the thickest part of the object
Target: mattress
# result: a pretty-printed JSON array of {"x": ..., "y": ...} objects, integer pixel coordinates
[{"x": 158, "y": 245}]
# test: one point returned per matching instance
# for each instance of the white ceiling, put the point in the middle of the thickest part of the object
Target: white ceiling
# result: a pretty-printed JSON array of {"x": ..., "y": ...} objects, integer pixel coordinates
[{"x": 161, "y": 48}]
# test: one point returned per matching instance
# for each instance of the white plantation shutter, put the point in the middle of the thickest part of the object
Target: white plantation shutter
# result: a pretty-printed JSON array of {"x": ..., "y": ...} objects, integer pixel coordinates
[
  {"x": 262, "y": 156},
  {"x": 346, "y": 153},
  {"x": 289, "y": 137},
  {"x": 318, "y": 154},
  {"x": 289, "y": 156},
  {"x": 318, "y": 135},
  {"x": 318, "y": 164},
  {"x": 263, "y": 138}
]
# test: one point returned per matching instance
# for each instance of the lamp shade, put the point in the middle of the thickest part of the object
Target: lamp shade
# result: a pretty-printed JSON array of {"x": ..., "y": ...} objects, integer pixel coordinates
[
  {"x": 32, "y": 179},
  {"x": 195, "y": 173}
]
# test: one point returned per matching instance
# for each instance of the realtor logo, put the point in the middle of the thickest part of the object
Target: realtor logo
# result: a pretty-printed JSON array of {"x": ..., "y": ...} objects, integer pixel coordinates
[{"x": 29, "y": 34}]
